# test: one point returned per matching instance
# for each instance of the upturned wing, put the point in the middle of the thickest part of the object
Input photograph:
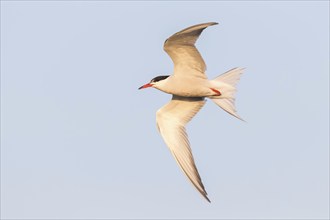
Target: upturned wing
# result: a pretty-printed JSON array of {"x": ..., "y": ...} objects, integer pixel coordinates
[
  {"x": 185, "y": 56},
  {"x": 171, "y": 120}
]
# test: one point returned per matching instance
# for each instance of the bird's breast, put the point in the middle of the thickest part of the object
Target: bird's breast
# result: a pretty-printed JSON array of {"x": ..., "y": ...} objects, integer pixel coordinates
[{"x": 188, "y": 87}]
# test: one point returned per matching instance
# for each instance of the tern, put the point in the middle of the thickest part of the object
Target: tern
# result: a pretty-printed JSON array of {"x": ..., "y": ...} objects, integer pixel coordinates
[{"x": 189, "y": 87}]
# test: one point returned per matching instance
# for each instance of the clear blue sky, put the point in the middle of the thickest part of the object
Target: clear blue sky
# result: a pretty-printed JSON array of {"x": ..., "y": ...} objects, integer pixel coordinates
[{"x": 78, "y": 140}]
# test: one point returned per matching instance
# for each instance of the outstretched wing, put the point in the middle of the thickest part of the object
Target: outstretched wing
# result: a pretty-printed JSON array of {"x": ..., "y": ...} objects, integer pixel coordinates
[
  {"x": 171, "y": 121},
  {"x": 185, "y": 56}
]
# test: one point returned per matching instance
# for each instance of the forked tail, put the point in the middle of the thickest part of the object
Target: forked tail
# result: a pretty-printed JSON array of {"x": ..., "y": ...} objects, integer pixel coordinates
[{"x": 226, "y": 84}]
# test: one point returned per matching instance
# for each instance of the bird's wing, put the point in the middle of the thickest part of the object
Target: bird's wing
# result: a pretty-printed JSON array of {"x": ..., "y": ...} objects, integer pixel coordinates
[
  {"x": 171, "y": 121},
  {"x": 185, "y": 56}
]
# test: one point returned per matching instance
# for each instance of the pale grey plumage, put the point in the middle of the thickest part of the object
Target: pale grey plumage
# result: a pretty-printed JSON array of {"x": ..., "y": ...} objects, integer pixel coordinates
[{"x": 185, "y": 56}]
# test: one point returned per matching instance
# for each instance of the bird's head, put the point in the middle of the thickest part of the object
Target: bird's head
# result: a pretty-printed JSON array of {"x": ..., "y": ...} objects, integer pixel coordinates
[{"x": 154, "y": 82}]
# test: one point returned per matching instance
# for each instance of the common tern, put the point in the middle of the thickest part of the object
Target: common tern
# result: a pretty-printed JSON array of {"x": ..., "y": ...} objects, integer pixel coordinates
[{"x": 189, "y": 87}]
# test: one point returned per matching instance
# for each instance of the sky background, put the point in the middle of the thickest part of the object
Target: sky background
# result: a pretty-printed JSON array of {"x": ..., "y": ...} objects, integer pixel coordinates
[{"x": 78, "y": 140}]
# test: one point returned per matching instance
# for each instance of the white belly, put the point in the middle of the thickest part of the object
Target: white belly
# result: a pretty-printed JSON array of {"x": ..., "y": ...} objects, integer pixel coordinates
[{"x": 187, "y": 86}]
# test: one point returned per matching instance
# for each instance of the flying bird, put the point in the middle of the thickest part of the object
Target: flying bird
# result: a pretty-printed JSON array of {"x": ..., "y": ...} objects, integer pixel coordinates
[{"x": 189, "y": 87}]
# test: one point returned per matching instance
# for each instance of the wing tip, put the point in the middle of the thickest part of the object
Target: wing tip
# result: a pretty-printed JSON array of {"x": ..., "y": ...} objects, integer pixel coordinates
[
  {"x": 204, "y": 194},
  {"x": 200, "y": 26},
  {"x": 208, "y": 23},
  {"x": 195, "y": 27}
]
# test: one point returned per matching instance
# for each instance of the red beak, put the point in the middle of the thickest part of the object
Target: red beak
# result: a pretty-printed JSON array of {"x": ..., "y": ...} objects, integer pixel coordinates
[{"x": 145, "y": 86}]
